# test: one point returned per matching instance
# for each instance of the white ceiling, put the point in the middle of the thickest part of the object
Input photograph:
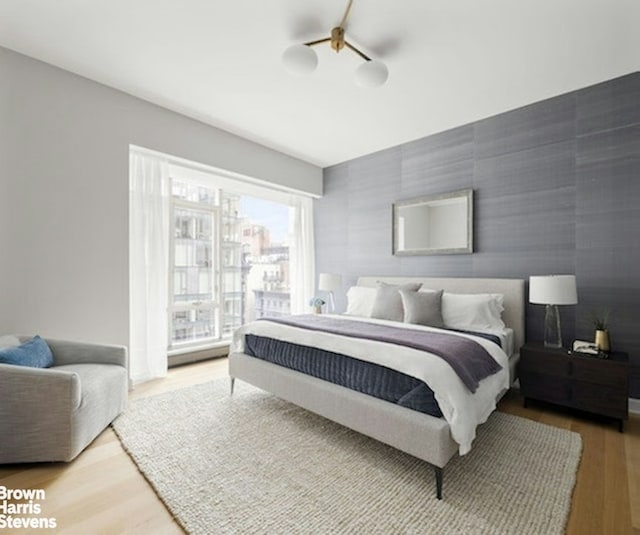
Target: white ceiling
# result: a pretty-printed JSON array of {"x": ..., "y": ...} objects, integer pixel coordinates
[{"x": 450, "y": 61}]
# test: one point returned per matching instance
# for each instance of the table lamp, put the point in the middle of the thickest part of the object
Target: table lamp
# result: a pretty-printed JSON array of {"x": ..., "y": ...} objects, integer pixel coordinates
[
  {"x": 553, "y": 290},
  {"x": 330, "y": 283}
]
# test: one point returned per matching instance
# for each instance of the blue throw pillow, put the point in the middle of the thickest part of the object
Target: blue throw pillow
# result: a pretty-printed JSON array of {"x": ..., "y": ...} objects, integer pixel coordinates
[{"x": 34, "y": 353}]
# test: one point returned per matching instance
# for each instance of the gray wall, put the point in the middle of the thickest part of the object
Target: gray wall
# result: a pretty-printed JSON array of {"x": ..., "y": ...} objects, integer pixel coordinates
[
  {"x": 557, "y": 190},
  {"x": 64, "y": 194}
]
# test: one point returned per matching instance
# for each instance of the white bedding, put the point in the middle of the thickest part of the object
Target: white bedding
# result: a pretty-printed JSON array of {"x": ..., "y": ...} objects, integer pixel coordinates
[
  {"x": 506, "y": 337},
  {"x": 463, "y": 410}
]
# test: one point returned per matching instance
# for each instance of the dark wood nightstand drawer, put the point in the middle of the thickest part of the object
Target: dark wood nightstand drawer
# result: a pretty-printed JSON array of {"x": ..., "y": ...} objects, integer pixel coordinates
[
  {"x": 545, "y": 387},
  {"x": 547, "y": 363},
  {"x": 600, "y": 372},
  {"x": 605, "y": 400}
]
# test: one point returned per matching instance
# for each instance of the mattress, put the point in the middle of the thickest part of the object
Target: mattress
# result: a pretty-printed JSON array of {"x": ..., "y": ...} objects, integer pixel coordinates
[{"x": 366, "y": 377}]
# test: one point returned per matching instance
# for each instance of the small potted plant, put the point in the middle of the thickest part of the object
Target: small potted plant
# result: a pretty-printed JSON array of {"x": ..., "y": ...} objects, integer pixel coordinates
[
  {"x": 601, "y": 324},
  {"x": 316, "y": 303}
]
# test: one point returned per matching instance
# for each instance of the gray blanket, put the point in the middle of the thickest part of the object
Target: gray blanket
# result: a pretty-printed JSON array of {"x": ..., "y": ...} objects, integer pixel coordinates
[{"x": 468, "y": 358}]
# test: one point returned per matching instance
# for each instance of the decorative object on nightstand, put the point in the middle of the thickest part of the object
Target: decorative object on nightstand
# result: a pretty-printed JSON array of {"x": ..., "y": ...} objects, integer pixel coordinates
[
  {"x": 330, "y": 283},
  {"x": 553, "y": 290},
  {"x": 601, "y": 324},
  {"x": 316, "y": 304},
  {"x": 586, "y": 348},
  {"x": 576, "y": 380}
]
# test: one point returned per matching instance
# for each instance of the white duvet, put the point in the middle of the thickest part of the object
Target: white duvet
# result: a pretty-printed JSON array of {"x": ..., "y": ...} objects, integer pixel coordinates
[{"x": 463, "y": 410}]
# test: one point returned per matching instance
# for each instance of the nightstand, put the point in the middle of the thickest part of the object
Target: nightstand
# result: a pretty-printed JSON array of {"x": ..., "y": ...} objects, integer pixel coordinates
[{"x": 591, "y": 384}]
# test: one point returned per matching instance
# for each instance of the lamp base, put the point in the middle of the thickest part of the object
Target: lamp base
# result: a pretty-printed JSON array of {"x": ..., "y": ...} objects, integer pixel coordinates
[
  {"x": 552, "y": 332},
  {"x": 332, "y": 303}
]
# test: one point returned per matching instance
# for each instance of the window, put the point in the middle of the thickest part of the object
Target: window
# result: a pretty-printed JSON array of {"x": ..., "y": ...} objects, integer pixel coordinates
[
  {"x": 229, "y": 261},
  {"x": 193, "y": 299},
  {"x": 205, "y": 257}
]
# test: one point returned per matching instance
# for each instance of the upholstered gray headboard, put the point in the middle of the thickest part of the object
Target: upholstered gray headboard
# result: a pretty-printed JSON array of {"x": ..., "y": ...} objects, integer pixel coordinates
[{"x": 512, "y": 289}]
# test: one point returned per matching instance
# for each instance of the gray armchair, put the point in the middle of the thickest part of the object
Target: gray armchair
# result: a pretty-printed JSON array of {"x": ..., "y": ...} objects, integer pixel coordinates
[{"x": 52, "y": 414}]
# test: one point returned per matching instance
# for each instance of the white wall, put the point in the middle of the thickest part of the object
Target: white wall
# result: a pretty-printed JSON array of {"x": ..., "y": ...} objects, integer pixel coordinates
[{"x": 64, "y": 157}]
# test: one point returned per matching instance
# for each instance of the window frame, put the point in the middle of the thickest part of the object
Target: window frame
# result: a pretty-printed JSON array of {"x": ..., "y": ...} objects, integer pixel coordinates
[{"x": 214, "y": 305}]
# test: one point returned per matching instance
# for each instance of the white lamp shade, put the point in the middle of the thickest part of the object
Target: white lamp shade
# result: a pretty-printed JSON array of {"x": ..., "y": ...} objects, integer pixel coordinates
[
  {"x": 329, "y": 283},
  {"x": 300, "y": 59},
  {"x": 553, "y": 290},
  {"x": 372, "y": 74}
]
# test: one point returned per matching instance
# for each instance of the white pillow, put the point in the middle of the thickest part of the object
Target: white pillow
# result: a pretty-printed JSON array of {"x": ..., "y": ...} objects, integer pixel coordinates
[
  {"x": 9, "y": 340},
  {"x": 473, "y": 312},
  {"x": 360, "y": 301}
]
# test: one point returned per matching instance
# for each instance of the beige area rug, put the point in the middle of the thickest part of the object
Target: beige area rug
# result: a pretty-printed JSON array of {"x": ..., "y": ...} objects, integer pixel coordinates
[{"x": 253, "y": 463}]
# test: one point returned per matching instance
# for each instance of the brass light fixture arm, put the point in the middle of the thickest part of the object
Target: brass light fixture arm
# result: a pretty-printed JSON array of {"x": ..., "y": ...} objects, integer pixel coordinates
[
  {"x": 317, "y": 41},
  {"x": 346, "y": 43},
  {"x": 346, "y": 14},
  {"x": 337, "y": 37},
  {"x": 354, "y": 49},
  {"x": 337, "y": 40}
]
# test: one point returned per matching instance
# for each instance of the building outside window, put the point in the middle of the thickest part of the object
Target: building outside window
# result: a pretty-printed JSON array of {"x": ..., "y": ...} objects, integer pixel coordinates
[
  {"x": 193, "y": 290},
  {"x": 229, "y": 262}
]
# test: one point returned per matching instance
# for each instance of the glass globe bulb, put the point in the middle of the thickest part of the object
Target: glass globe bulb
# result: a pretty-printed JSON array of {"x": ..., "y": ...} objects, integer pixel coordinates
[
  {"x": 372, "y": 74},
  {"x": 300, "y": 59}
]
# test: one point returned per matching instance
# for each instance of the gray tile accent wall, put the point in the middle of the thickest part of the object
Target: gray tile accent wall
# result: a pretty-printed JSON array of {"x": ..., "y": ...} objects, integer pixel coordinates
[{"x": 557, "y": 190}]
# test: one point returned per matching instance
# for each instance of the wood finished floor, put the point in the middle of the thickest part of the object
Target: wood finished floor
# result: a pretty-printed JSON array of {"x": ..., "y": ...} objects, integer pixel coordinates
[{"x": 102, "y": 492}]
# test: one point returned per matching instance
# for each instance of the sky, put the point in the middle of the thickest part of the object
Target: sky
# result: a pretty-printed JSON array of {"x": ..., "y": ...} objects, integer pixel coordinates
[{"x": 272, "y": 215}]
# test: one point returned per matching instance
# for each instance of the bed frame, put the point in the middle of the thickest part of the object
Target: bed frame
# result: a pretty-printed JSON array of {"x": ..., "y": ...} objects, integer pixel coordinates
[{"x": 423, "y": 436}]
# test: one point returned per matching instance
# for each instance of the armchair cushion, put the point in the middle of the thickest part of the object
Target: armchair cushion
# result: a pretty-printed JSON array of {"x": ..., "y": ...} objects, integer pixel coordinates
[{"x": 34, "y": 353}]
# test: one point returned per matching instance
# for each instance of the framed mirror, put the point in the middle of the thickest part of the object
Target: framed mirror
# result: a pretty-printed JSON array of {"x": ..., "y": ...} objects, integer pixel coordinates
[{"x": 434, "y": 224}]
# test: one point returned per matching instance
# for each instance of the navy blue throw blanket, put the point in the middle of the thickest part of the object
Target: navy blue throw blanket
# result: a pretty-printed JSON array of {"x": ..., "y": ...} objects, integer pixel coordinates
[{"x": 468, "y": 358}]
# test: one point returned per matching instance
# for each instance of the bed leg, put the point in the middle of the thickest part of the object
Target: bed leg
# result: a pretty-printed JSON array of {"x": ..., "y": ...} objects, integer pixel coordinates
[
  {"x": 233, "y": 383},
  {"x": 439, "y": 473}
]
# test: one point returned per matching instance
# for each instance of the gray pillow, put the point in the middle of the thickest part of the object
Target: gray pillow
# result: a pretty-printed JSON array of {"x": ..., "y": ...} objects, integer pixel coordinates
[
  {"x": 388, "y": 303},
  {"x": 423, "y": 308}
]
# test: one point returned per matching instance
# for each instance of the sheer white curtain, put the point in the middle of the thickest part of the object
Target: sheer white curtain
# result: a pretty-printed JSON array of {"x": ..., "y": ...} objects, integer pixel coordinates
[
  {"x": 149, "y": 220},
  {"x": 301, "y": 253}
]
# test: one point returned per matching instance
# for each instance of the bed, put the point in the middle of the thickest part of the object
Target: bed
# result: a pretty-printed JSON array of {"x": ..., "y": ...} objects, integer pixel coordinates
[{"x": 430, "y": 438}]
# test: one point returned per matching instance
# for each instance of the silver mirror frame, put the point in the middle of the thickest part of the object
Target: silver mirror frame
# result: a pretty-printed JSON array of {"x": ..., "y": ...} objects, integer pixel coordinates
[{"x": 425, "y": 200}]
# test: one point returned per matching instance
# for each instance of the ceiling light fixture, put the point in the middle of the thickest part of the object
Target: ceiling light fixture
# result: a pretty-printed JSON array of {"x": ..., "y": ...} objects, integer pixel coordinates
[{"x": 302, "y": 59}]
